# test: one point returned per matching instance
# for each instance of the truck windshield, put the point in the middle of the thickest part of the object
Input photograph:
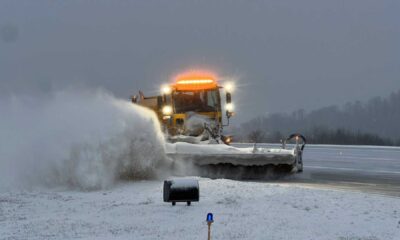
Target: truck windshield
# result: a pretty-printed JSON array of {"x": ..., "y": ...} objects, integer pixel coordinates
[{"x": 196, "y": 101}]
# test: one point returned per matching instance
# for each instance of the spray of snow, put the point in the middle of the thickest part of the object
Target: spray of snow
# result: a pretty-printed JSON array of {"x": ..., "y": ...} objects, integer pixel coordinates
[
  {"x": 194, "y": 123},
  {"x": 83, "y": 139}
]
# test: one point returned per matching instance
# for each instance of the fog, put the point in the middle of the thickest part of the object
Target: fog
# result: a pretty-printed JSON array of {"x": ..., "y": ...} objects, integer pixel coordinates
[{"x": 283, "y": 55}]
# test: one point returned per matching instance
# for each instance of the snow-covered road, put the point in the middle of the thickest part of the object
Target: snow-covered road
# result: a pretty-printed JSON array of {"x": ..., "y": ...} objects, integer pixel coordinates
[
  {"x": 371, "y": 169},
  {"x": 242, "y": 210}
]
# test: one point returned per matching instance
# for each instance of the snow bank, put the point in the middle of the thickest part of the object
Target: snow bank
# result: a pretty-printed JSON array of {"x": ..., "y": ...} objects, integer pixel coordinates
[{"x": 77, "y": 138}]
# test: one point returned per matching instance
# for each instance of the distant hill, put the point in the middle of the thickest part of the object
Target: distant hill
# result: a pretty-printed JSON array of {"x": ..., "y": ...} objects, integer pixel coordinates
[{"x": 377, "y": 118}]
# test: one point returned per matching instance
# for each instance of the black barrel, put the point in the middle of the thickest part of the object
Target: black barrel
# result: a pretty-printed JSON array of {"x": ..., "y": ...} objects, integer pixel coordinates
[{"x": 181, "y": 190}]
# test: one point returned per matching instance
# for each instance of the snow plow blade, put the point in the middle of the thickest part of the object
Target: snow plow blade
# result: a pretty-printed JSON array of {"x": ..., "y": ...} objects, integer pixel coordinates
[
  {"x": 222, "y": 154},
  {"x": 224, "y": 161}
]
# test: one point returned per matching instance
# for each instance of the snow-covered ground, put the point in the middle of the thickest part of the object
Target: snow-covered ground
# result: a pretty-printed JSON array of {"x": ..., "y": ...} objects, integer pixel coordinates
[
  {"x": 242, "y": 210},
  {"x": 94, "y": 140}
]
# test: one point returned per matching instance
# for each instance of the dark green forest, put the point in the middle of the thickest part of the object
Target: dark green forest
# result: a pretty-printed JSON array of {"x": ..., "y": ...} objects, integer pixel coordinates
[{"x": 374, "y": 122}]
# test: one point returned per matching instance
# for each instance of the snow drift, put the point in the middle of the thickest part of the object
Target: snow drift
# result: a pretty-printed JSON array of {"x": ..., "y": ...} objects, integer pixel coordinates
[{"x": 84, "y": 139}]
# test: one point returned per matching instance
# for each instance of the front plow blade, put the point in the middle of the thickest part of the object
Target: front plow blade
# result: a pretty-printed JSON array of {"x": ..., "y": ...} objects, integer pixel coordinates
[{"x": 220, "y": 160}]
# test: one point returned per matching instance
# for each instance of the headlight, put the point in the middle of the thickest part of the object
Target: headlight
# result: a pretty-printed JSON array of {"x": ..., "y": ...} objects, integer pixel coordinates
[
  {"x": 229, "y": 107},
  {"x": 229, "y": 87},
  {"x": 166, "y": 89},
  {"x": 167, "y": 110}
]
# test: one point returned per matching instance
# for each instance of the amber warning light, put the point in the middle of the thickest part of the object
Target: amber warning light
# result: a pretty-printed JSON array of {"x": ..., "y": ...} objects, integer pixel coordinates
[{"x": 195, "y": 81}]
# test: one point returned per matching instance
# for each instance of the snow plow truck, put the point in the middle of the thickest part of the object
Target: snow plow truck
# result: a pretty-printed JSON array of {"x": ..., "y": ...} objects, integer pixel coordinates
[{"x": 193, "y": 114}]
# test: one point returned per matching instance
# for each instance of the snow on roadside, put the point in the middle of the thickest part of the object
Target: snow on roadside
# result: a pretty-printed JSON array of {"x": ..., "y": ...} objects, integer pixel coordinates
[{"x": 242, "y": 210}]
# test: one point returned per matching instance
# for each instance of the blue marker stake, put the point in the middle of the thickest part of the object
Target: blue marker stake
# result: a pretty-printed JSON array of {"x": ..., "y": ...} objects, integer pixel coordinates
[
  {"x": 209, "y": 220},
  {"x": 210, "y": 217}
]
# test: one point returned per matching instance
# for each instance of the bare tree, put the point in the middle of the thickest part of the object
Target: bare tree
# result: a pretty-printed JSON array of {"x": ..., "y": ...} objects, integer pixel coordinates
[{"x": 256, "y": 136}]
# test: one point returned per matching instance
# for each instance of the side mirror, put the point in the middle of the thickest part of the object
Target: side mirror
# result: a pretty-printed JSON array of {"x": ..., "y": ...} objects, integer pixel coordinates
[
  {"x": 134, "y": 99},
  {"x": 228, "y": 98},
  {"x": 159, "y": 102}
]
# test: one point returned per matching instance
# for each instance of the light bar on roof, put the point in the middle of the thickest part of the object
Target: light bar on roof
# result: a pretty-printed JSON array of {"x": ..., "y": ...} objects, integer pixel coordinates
[
  {"x": 195, "y": 84},
  {"x": 195, "y": 81}
]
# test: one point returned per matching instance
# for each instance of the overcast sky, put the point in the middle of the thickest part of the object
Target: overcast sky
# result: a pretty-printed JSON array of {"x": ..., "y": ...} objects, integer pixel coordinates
[{"x": 284, "y": 55}]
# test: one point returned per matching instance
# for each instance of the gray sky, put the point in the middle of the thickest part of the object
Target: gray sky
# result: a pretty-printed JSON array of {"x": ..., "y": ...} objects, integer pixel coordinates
[{"x": 285, "y": 54}]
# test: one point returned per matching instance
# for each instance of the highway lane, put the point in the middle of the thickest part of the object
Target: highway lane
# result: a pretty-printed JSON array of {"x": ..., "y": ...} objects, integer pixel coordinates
[{"x": 357, "y": 168}]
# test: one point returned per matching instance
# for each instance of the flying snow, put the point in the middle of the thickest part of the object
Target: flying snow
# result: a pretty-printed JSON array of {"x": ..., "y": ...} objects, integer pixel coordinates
[{"x": 83, "y": 139}]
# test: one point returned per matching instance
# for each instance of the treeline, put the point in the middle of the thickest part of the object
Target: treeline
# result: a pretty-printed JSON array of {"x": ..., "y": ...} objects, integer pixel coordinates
[
  {"x": 324, "y": 136},
  {"x": 374, "y": 122}
]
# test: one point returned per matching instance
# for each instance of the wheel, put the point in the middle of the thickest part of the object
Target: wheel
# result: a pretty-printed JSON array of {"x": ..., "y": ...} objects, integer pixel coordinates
[
  {"x": 188, "y": 203},
  {"x": 173, "y": 203}
]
